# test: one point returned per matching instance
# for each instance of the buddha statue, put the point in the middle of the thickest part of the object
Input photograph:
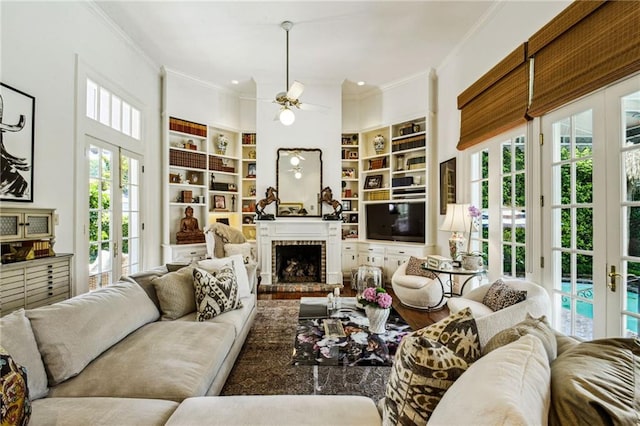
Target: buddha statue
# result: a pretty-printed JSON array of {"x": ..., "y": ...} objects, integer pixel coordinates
[{"x": 190, "y": 232}]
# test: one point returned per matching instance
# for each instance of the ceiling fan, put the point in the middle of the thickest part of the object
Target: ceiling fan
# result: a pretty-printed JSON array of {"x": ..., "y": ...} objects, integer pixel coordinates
[{"x": 290, "y": 98}]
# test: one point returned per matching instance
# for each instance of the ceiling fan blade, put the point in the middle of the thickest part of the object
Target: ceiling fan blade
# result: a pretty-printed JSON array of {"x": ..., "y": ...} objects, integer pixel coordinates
[
  {"x": 295, "y": 90},
  {"x": 312, "y": 107}
]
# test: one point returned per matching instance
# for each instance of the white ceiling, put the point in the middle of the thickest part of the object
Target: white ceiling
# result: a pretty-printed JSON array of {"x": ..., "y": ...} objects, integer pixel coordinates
[{"x": 379, "y": 42}]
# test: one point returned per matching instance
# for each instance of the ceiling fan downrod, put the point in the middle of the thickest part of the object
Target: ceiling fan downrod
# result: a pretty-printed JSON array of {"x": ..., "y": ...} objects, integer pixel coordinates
[{"x": 286, "y": 26}]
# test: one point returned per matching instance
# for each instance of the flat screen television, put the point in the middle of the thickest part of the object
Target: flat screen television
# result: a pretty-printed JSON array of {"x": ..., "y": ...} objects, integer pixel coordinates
[{"x": 401, "y": 221}]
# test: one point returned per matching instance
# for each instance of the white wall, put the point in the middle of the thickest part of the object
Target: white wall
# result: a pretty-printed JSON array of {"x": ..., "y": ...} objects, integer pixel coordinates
[
  {"x": 40, "y": 41},
  {"x": 510, "y": 24},
  {"x": 311, "y": 129}
]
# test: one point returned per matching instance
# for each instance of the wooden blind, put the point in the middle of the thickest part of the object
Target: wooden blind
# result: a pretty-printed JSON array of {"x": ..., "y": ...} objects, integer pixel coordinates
[
  {"x": 497, "y": 101},
  {"x": 587, "y": 46}
]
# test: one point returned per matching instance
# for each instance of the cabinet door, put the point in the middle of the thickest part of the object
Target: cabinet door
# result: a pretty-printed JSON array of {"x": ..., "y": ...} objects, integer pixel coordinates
[
  {"x": 37, "y": 225},
  {"x": 392, "y": 263},
  {"x": 10, "y": 226}
]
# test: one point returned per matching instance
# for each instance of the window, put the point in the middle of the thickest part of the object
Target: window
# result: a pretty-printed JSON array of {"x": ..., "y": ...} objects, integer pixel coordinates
[
  {"x": 497, "y": 172},
  {"x": 110, "y": 110}
]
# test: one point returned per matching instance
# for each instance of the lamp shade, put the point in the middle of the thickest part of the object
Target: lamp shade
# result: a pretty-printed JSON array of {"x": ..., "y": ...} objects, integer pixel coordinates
[{"x": 457, "y": 218}]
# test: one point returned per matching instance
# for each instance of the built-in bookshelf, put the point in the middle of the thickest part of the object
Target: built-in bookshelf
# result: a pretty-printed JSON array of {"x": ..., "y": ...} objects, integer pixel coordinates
[{"x": 248, "y": 173}]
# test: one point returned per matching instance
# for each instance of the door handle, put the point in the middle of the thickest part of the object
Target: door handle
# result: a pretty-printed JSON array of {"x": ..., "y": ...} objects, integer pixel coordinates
[{"x": 612, "y": 278}]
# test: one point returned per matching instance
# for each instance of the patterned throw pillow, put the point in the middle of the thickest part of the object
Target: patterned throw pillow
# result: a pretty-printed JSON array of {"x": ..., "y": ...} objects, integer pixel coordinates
[
  {"x": 538, "y": 327},
  {"x": 500, "y": 296},
  {"x": 427, "y": 363},
  {"x": 15, "y": 406},
  {"x": 215, "y": 293},
  {"x": 414, "y": 267}
]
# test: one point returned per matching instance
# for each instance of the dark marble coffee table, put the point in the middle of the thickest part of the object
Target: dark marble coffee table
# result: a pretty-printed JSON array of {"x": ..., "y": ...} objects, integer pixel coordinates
[{"x": 358, "y": 347}]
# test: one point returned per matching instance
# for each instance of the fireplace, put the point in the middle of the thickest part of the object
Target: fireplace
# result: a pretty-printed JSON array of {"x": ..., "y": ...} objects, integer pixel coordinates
[
  {"x": 292, "y": 234},
  {"x": 295, "y": 262}
]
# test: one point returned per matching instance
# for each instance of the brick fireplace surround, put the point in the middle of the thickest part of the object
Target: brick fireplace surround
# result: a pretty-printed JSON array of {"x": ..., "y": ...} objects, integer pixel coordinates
[{"x": 271, "y": 234}]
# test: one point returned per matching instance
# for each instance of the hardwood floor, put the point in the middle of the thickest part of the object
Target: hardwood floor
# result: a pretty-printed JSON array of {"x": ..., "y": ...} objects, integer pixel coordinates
[{"x": 416, "y": 318}]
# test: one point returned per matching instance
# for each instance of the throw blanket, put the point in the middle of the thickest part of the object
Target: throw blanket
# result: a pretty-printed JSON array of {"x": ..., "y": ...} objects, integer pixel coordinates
[
  {"x": 225, "y": 234},
  {"x": 597, "y": 383}
]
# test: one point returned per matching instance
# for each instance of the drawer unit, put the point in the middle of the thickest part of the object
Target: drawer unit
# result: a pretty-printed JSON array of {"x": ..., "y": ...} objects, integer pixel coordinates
[
  {"x": 184, "y": 252},
  {"x": 34, "y": 283}
]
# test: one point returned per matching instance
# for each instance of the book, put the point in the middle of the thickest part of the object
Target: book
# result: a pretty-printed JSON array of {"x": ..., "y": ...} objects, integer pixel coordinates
[{"x": 333, "y": 328}]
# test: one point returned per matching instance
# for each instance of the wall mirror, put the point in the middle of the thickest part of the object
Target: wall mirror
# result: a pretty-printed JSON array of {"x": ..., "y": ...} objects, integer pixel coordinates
[{"x": 299, "y": 180}]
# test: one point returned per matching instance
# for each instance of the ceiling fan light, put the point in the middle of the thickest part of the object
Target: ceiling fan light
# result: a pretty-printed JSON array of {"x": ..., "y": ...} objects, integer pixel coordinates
[
  {"x": 287, "y": 117},
  {"x": 294, "y": 160},
  {"x": 297, "y": 174}
]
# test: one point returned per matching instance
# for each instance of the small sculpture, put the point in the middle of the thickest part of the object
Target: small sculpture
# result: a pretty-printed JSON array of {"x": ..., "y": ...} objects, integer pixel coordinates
[
  {"x": 270, "y": 197},
  {"x": 190, "y": 232},
  {"x": 327, "y": 197}
]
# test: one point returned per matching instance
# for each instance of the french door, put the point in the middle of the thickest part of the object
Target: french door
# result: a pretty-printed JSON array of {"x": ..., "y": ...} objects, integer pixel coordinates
[
  {"x": 591, "y": 214},
  {"x": 114, "y": 234}
]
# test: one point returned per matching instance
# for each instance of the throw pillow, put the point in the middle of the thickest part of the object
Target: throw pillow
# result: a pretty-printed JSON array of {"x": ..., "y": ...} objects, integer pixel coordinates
[
  {"x": 414, "y": 267},
  {"x": 175, "y": 293},
  {"x": 244, "y": 249},
  {"x": 597, "y": 382},
  {"x": 240, "y": 269},
  {"x": 14, "y": 391},
  {"x": 500, "y": 296},
  {"x": 427, "y": 363},
  {"x": 215, "y": 293},
  {"x": 18, "y": 339},
  {"x": 538, "y": 327}
]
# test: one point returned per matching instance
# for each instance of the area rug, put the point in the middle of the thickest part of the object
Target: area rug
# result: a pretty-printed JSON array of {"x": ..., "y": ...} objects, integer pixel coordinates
[{"x": 264, "y": 364}]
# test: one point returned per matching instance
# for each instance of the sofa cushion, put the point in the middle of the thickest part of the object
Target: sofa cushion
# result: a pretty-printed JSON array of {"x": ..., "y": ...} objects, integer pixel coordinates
[
  {"x": 245, "y": 250},
  {"x": 428, "y": 361},
  {"x": 213, "y": 265},
  {"x": 169, "y": 360},
  {"x": 18, "y": 339},
  {"x": 101, "y": 411},
  {"x": 509, "y": 386},
  {"x": 538, "y": 327},
  {"x": 500, "y": 296},
  {"x": 597, "y": 382},
  {"x": 215, "y": 293},
  {"x": 14, "y": 391},
  {"x": 281, "y": 410},
  {"x": 71, "y": 333},
  {"x": 236, "y": 318},
  {"x": 414, "y": 267},
  {"x": 175, "y": 293}
]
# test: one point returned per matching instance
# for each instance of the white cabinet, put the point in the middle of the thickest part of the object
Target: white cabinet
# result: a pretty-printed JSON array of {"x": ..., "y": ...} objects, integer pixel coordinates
[
  {"x": 397, "y": 254},
  {"x": 349, "y": 257},
  {"x": 26, "y": 224},
  {"x": 371, "y": 255},
  {"x": 183, "y": 253},
  {"x": 32, "y": 283}
]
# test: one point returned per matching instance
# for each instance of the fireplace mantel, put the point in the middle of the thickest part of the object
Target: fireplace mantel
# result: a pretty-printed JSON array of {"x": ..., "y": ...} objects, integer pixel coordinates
[{"x": 300, "y": 230}]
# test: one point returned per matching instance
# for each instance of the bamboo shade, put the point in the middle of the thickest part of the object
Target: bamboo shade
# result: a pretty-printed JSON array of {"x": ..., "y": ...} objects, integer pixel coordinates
[
  {"x": 587, "y": 46},
  {"x": 497, "y": 101}
]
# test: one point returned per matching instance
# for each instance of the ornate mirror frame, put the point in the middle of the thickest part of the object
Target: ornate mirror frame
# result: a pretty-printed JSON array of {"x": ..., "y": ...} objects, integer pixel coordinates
[{"x": 299, "y": 197}]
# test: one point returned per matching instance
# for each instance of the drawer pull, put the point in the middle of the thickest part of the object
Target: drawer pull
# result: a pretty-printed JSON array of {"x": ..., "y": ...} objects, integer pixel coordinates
[
  {"x": 50, "y": 287},
  {"x": 50, "y": 293},
  {"x": 193, "y": 252}
]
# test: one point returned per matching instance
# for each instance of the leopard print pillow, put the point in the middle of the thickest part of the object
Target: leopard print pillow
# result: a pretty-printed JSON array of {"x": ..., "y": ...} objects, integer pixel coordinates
[
  {"x": 414, "y": 267},
  {"x": 500, "y": 296}
]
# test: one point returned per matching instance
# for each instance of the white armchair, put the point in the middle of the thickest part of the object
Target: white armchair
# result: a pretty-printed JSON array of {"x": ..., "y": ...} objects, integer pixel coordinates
[
  {"x": 417, "y": 291},
  {"x": 490, "y": 322}
]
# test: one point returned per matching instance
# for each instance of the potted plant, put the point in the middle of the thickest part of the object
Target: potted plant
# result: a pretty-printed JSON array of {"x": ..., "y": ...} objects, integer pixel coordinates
[{"x": 377, "y": 303}]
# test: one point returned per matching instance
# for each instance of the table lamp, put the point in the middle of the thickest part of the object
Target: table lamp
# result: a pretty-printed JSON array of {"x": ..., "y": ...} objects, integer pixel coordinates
[{"x": 457, "y": 221}]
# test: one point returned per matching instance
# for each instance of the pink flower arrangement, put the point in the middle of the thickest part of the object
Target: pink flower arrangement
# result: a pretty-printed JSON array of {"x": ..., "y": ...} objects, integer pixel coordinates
[{"x": 377, "y": 297}]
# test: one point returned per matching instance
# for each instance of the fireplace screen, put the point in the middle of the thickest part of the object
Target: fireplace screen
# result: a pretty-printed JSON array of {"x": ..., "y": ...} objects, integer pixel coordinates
[{"x": 299, "y": 261}]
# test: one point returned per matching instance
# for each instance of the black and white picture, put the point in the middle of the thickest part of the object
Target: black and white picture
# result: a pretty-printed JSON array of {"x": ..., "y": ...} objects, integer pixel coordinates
[{"x": 17, "y": 111}]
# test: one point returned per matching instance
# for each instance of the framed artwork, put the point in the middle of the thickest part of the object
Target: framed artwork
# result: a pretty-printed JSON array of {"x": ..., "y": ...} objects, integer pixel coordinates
[
  {"x": 346, "y": 205},
  {"x": 447, "y": 184},
  {"x": 251, "y": 170},
  {"x": 286, "y": 209},
  {"x": 224, "y": 220},
  {"x": 373, "y": 182},
  {"x": 349, "y": 173},
  {"x": 17, "y": 139},
  {"x": 219, "y": 202}
]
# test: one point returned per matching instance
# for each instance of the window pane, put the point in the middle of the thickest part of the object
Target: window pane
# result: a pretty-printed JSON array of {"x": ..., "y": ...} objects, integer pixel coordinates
[
  {"x": 584, "y": 134},
  {"x": 135, "y": 123},
  {"x": 506, "y": 260},
  {"x": 519, "y": 153},
  {"x": 105, "y": 106},
  {"x": 584, "y": 229},
  {"x": 565, "y": 228},
  {"x": 565, "y": 182},
  {"x": 566, "y": 271},
  {"x": 520, "y": 190},
  {"x": 485, "y": 194},
  {"x": 584, "y": 320},
  {"x": 632, "y": 172},
  {"x": 485, "y": 164},
  {"x": 94, "y": 162},
  {"x": 133, "y": 171},
  {"x": 633, "y": 230},
  {"x": 93, "y": 226},
  {"x": 134, "y": 224},
  {"x": 520, "y": 262},
  {"x": 506, "y": 191},
  {"x": 125, "y": 227},
  {"x": 565, "y": 317},
  {"x": 584, "y": 271},
  {"x": 126, "y": 118},
  {"x": 584, "y": 181},
  {"x": 92, "y": 100},
  {"x": 506, "y": 157},
  {"x": 116, "y": 112},
  {"x": 485, "y": 225},
  {"x": 562, "y": 140}
]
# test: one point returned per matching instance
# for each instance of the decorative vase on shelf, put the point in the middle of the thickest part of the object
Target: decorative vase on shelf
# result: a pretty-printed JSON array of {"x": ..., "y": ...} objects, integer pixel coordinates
[
  {"x": 377, "y": 319},
  {"x": 472, "y": 261},
  {"x": 378, "y": 144},
  {"x": 223, "y": 142}
]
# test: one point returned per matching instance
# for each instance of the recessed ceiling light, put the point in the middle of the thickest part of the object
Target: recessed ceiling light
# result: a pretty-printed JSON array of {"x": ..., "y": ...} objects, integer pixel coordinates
[
  {"x": 235, "y": 82},
  {"x": 361, "y": 83}
]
